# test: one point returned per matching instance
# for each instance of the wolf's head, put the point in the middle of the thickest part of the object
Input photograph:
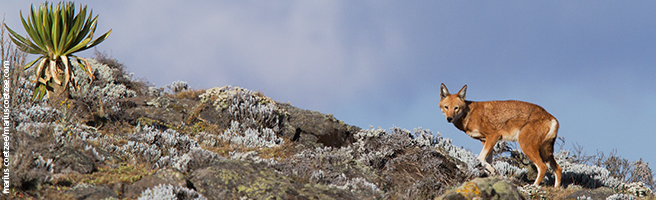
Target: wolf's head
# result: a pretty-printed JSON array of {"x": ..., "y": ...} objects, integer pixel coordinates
[{"x": 452, "y": 105}]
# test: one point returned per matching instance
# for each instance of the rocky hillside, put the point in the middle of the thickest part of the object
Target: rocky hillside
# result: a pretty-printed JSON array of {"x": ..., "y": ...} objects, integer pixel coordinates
[{"x": 119, "y": 138}]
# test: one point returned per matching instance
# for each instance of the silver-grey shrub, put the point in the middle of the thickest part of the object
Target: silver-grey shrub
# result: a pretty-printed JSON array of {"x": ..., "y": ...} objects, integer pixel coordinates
[
  {"x": 67, "y": 134},
  {"x": 106, "y": 74},
  {"x": 169, "y": 192},
  {"x": 36, "y": 113},
  {"x": 594, "y": 176},
  {"x": 642, "y": 173},
  {"x": 24, "y": 109},
  {"x": 508, "y": 170},
  {"x": 44, "y": 165},
  {"x": 255, "y": 118},
  {"x": 35, "y": 129},
  {"x": 330, "y": 166},
  {"x": 151, "y": 145},
  {"x": 247, "y": 107},
  {"x": 106, "y": 90},
  {"x": 178, "y": 86},
  {"x": 251, "y": 156},
  {"x": 621, "y": 197},
  {"x": 249, "y": 137},
  {"x": 168, "y": 138},
  {"x": 154, "y": 91},
  {"x": 427, "y": 138},
  {"x": 466, "y": 156},
  {"x": 96, "y": 155}
]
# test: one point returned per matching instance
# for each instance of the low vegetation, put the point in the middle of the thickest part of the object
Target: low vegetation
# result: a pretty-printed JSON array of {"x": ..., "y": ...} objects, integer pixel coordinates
[{"x": 120, "y": 137}]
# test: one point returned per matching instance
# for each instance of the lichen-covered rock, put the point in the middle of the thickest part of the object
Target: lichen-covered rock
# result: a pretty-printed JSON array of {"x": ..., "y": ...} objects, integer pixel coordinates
[
  {"x": 492, "y": 188},
  {"x": 232, "y": 179}
]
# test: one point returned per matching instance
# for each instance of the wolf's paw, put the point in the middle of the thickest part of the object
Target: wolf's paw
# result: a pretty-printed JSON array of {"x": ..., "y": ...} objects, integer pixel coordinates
[{"x": 489, "y": 169}]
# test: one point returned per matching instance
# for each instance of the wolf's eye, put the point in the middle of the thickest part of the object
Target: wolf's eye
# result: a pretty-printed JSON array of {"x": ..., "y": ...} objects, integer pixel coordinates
[
  {"x": 456, "y": 108},
  {"x": 446, "y": 107}
]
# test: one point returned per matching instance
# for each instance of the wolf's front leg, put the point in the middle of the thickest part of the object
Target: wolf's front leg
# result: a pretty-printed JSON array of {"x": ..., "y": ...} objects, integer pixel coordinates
[
  {"x": 486, "y": 164},
  {"x": 486, "y": 154}
]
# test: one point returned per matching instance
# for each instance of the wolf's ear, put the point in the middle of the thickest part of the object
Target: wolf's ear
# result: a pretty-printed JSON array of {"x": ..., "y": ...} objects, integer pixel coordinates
[
  {"x": 443, "y": 91},
  {"x": 462, "y": 92}
]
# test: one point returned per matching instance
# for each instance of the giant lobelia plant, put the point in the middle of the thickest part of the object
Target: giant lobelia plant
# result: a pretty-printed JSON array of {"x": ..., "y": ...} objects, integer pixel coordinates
[{"x": 55, "y": 33}]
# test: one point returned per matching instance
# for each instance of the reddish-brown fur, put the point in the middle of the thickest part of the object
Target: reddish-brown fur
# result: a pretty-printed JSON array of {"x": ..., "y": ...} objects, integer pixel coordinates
[{"x": 490, "y": 121}]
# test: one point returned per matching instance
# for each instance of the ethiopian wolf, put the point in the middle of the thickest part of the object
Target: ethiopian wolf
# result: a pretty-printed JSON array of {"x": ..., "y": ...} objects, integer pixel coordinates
[{"x": 490, "y": 121}]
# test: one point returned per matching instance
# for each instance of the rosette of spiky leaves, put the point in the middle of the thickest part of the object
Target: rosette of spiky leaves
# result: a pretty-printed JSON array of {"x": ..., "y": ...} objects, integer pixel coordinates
[{"x": 56, "y": 32}]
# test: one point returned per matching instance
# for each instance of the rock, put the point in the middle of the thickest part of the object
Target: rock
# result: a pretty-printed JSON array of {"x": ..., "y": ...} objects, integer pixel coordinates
[
  {"x": 312, "y": 126},
  {"x": 419, "y": 173},
  {"x": 85, "y": 191},
  {"x": 484, "y": 188},
  {"x": 164, "y": 110},
  {"x": 232, "y": 179},
  {"x": 70, "y": 160}
]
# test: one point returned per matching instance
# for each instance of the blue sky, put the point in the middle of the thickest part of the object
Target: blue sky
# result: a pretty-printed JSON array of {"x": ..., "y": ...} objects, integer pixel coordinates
[{"x": 591, "y": 64}]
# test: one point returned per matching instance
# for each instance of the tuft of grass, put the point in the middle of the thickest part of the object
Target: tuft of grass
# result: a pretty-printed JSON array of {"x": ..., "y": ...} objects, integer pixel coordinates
[
  {"x": 116, "y": 128},
  {"x": 202, "y": 126},
  {"x": 56, "y": 193},
  {"x": 188, "y": 94},
  {"x": 279, "y": 152},
  {"x": 156, "y": 123},
  {"x": 126, "y": 173},
  {"x": 224, "y": 148}
]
